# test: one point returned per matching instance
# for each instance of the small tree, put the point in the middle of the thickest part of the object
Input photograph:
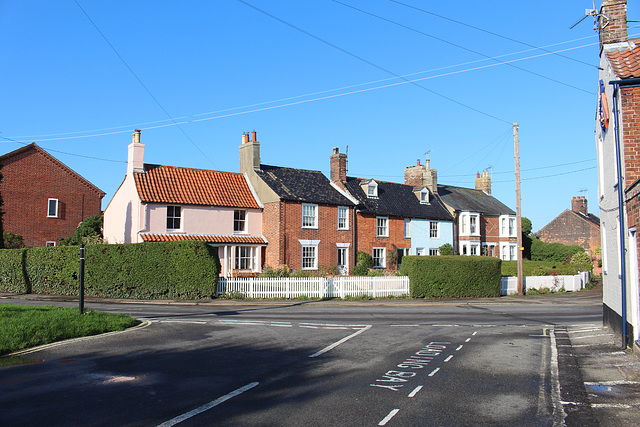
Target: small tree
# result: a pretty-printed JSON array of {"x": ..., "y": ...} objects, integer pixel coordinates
[
  {"x": 89, "y": 232},
  {"x": 446, "y": 249},
  {"x": 364, "y": 263},
  {"x": 582, "y": 260}
]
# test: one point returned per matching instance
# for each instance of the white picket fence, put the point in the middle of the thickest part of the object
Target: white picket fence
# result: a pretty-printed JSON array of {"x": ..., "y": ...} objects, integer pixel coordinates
[{"x": 315, "y": 287}]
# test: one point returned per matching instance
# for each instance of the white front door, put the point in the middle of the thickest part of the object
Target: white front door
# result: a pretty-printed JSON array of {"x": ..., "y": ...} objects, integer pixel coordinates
[{"x": 343, "y": 261}]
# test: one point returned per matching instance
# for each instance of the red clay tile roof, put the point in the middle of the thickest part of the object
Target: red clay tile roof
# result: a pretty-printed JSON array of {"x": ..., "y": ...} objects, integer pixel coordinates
[
  {"x": 626, "y": 62},
  {"x": 209, "y": 238},
  {"x": 171, "y": 184}
]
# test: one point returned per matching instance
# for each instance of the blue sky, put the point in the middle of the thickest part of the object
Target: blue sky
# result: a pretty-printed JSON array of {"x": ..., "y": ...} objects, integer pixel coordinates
[{"x": 387, "y": 80}]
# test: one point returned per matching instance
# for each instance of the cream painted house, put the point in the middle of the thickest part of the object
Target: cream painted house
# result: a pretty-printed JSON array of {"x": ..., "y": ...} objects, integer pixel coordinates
[{"x": 158, "y": 203}]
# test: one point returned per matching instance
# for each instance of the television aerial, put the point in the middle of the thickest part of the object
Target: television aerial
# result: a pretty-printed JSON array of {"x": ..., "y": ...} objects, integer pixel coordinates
[{"x": 591, "y": 12}]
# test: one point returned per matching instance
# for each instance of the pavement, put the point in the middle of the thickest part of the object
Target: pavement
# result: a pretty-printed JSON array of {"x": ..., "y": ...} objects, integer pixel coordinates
[{"x": 610, "y": 375}]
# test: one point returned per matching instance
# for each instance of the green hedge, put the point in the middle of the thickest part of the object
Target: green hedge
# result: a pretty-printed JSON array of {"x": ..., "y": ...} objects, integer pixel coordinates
[
  {"x": 11, "y": 273},
  {"x": 452, "y": 276},
  {"x": 186, "y": 270}
]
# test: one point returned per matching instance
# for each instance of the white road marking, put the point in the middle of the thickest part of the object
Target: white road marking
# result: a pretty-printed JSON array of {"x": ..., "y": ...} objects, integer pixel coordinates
[
  {"x": 591, "y": 336},
  {"x": 415, "y": 391},
  {"x": 386, "y": 419},
  {"x": 475, "y": 333},
  {"x": 407, "y": 326},
  {"x": 206, "y": 407},
  {"x": 618, "y": 382},
  {"x": 434, "y": 372},
  {"x": 337, "y": 343},
  {"x": 579, "y": 331},
  {"x": 445, "y": 326},
  {"x": 197, "y": 322},
  {"x": 448, "y": 358},
  {"x": 467, "y": 340},
  {"x": 459, "y": 347},
  {"x": 558, "y": 410}
]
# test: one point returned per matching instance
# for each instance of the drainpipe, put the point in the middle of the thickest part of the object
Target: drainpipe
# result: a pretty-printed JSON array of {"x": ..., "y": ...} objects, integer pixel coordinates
[{"x": 621, "y": 225}]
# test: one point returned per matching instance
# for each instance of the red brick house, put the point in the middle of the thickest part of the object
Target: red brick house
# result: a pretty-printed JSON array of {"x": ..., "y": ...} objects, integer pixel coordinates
[
  {"x": 44, "y": 200},
  {"x": 484, "y": 225},
  {"x": 308, "y": 221},
  {"x": 618, "y": 145},
  {"x": 393, "y": 219},
  {"x": 574, "y": 226}
]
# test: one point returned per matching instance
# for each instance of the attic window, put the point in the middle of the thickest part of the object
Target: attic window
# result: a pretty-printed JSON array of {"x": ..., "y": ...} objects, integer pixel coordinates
[
  {"x": 372, "y": 189},
  {"x": 424, "y": 196}
]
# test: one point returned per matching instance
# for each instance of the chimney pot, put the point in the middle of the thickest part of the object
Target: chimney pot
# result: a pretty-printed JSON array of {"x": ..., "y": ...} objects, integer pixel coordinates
[{"x": 254, "y": 136}]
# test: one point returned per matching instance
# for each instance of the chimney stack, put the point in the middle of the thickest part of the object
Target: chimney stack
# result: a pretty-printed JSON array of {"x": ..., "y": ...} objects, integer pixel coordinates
[
  {"x": 422, "y": 176},
  {"x": 612, "y": 22},
  {"x": 249, "y": 152},
  {"x": 338, "y": 163},
  {"x": 483, "y": 182},
  {"x": 135, "y": 158},
  {"x": 579, "y": 205}
]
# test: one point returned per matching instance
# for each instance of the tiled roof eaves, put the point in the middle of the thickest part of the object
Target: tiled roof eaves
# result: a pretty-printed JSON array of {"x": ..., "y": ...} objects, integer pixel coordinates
[
  {"x": 209, "y": 238},
  {"x": 202, "y": 187},
  {"x": 624, "y": 58}
]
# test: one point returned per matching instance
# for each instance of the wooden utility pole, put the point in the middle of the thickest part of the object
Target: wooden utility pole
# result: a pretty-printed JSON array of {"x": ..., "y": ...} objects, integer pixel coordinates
[{"x": 518, "y": 211}]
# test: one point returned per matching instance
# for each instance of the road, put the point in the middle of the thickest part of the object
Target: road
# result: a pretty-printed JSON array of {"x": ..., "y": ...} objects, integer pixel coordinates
[{"x": 311, "y": 363}]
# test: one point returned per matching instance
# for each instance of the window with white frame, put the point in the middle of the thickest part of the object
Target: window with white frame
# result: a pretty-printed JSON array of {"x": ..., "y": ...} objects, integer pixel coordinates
[
  {"x": 52, "y": 208},
  {"x": 372, "y": 189},
  {"x": 309, "y": 216},
  {"x": 343, "y": 218},
  {"x": 512, "y": 252},
  {"x": 379, "y": 259},
  {"x": 407, "y": 228},
  {"x": 434, "y": 251},
  {"x": 469, "y": 224},
  {"x": 174, "y": 215},
  {"x": 382, "y": 226},
  {"x": 239, "y": 221},
  {"x": 309, "y": 254},
  {"x": 503, "y": 226},
  {"x": 420, "y": 251},
  {"x": 512, "y": 227},
  {"x": 470, "y": 248},
  {"x": 424, "y": 196},
  {"x": 50, "y": 243},
  {"x": 245, "y": 256},
  {"x": 434, "y": 229}
]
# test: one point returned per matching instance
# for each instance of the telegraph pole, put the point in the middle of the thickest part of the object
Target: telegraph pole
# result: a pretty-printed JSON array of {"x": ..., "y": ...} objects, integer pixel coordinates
[{"x": 518, "y": 211}]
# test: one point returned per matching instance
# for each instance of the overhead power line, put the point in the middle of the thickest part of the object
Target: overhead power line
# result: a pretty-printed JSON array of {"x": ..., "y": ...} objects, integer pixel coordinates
[
  {"x": 459, "y": 46},
  {"x": 141, "y": 83}
]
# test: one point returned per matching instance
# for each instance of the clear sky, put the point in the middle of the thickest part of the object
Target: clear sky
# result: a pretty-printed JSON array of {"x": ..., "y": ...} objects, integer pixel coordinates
[{"x": 390, "y": 80}]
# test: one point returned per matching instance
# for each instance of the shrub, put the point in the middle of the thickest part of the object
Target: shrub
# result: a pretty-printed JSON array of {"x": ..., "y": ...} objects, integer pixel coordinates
[
  {"x": 365, "y": 259},
  {"x": 360, "y": 270},
  {"x": 452, "y": 276},
  {"x": 542, "y": 251},
  {"x": 446, "y": 249},
  {"x": 269, "y": 271},
  {"x": 12, "y": 241},
  {"x": 88, "y": 232},
  {"x": 582, "y": 260}
]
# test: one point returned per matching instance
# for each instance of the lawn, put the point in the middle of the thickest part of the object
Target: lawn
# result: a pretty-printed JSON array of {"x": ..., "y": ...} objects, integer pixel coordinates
[{"x": 23, "y": 327}]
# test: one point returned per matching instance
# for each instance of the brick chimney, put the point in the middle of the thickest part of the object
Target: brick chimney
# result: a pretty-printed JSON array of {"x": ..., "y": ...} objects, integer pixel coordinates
[
  {"x": 422, "y": 176},
  {"x": 579, "y": 205},
  {"x": 338, "y": 167},
  {"x": 135, "y": 158},
  {"x": 483, "y": 182},
  {"x": 612, "y": 22},
  {"x": 249, "y": 152}
]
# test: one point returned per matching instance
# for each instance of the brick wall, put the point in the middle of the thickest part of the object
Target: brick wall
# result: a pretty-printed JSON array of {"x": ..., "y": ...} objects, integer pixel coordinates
[
  {"x": 367, "y": 235},
  {"x": 30, "y": 178},
  {"x": 284, "y": 246},
  {"x": 569, "y": 229},
  {"x": 630, "y": 100}
]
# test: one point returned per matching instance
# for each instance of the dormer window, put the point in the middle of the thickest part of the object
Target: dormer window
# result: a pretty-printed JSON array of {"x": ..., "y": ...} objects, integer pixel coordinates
[{"x": 370, "y": 188}]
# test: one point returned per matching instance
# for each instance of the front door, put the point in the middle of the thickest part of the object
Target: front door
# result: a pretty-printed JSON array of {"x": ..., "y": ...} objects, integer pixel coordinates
[{"x": 343, "y": 261}]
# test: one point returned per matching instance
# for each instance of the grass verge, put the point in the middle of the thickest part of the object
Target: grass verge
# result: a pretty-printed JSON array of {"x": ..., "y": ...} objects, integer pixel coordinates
[{"x": 23, "y": 327}]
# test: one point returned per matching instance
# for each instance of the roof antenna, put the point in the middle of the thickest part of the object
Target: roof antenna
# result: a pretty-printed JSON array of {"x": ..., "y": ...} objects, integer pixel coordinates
[{"x": 591, "y": 12}]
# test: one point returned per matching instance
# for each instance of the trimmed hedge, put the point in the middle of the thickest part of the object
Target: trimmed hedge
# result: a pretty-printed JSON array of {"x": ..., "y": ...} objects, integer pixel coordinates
[
  {"x": 186, "y": 270},
  {"x": 452, "y": 276}
]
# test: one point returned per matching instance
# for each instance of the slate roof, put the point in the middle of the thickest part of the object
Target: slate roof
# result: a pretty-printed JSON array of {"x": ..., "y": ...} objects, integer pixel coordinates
[
  {"x": 589, "y": 217},
  {"x": 301, "y": 185},
  {"x": 209, "y": 238},
  {"x": 471, "y": 200},
  {"x": 187, "y": 186},
  {"x": 624, "y": 58},
  {"x": 397, "y": 200}
]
